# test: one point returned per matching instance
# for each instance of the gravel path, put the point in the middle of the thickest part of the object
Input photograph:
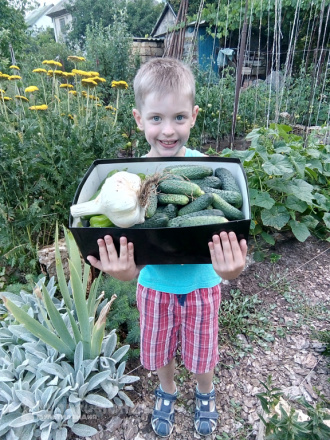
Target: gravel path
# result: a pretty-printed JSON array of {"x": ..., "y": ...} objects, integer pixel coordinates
[{"x": 293, "y": 295}]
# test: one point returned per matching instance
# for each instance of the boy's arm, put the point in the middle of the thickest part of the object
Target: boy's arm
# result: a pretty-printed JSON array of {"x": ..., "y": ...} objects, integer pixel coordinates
[
  {"x": 228, "y": 255},
  {"x": 120, "y": 266}
]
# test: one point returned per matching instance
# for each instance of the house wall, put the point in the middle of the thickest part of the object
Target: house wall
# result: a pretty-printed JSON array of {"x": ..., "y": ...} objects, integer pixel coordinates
[
  {"x": 59, "y": 33},
  {"x": 147, "y": 49},
  {"x": 43, "y": 22},
  {"x": 167, "y": 22}
]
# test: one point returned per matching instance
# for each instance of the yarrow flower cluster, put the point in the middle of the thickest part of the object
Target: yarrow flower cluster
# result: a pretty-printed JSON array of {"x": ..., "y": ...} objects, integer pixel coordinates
[
  {"x": 39, "y": 107},
  {"x": 31, "y": 89},
  {"x": 119, "y": 85}
]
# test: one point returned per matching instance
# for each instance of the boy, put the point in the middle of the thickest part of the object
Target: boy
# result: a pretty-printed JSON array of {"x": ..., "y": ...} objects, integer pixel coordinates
[{"x": 176, "y": 302}]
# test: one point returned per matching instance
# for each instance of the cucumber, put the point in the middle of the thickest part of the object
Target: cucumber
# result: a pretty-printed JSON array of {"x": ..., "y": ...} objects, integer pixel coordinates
[
  {"x": 198, "y": 204},
  {"x": 200, "y": 221},
  {"x": 233, "y": 197},
  {"x": 210, "y": 181},
  {"x": 159, "y": 220},
  {"x": 228, "y": 182},
  {"x": 230, "y": 211},
  {"x": 191, "y": 171},
  {"x": 175, "y": 199},
  {"x": 170, "y": 210},
  {"x": 151, "y": 204},
  {"x": 205, "y": 212},
  {"x": 180, "y": 187}
]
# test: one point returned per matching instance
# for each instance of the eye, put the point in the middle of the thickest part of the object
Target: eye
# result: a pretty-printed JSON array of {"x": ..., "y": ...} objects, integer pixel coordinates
[
  {"x": 156, "y": 118},
  {"x": 180, "y": 118}
]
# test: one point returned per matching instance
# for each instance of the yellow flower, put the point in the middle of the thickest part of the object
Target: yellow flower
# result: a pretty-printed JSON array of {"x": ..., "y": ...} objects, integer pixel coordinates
[
  {"x": 6, "y": 98},
  {"x": 81, "y": 73},
  {"x": 39, "y": 107},
  {"x": 4, "y": 76},
  {"x": 13, "y": 77},
  {"x": 66, "y": 86},
  {"x": 2, "y": 91},
  {"x": 50, "y": 72},
  {"x": 31, "y": 89},
  {"x": 39, "y": 70},
  {"x": 70, "y": 117},
  {"x": 52, "y": 63},
  {"x": 109, "y": 107},
  {"x": 76, "y": 59},
  {"x": 94, "y": 73},
  {"x": 14, "y": 67},
  {"x": 98, "y": 79},
  {"x": 73, "y": 92},
  {"x": 68, "y": 75},
  {"x": 98, "y": 105},
  {"x": 88, "y": 82},
  {"x": 119, "y": 85},
  {"x": 22, "y": 98},
  {"x": 58, "y": 72}
]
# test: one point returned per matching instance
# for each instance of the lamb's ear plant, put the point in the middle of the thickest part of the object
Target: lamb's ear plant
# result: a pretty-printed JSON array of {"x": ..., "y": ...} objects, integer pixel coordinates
[{"x": 53, "y": 365}]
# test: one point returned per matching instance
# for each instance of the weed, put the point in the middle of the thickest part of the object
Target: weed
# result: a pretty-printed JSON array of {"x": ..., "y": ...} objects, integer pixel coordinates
[{"x": 240, "y": 316}]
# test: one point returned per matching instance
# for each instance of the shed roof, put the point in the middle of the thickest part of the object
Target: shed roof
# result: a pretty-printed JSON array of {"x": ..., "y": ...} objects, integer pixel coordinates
[
  {"x": 58, "y": 9},
  {"x": 167, "y": 8},
  {"x": 34, "y": 15}
]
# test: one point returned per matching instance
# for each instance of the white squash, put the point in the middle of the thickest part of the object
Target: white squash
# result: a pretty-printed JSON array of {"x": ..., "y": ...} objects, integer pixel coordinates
[{"x": 119, "y": 200}]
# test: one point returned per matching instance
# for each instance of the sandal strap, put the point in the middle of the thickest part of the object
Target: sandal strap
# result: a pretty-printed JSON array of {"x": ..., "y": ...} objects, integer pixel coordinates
[
  {"x": 206, "y": 397},
  {"x": 207, "y": 415},
  {"x": 165, "y": 396},
  {"x": 162, "y": 415}
]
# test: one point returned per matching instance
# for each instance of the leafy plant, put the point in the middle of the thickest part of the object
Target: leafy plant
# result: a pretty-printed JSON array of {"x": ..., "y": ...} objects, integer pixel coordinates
[
  {"x": 240, "y": 315},
  {"x": 288, "y": 183},
  {"x": 284, "y": 423},
  {"x": 55, "y": 357}
]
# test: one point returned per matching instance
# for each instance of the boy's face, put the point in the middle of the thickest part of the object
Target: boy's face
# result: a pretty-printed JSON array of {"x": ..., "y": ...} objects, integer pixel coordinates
[{"x": 166, "y": 121}]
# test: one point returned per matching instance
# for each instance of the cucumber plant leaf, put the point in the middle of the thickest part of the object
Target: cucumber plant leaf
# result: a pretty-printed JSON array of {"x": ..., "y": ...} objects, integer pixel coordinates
[
  {"x": 276, "y": 217},
  {"x": 299, "y": 230},
  {"x": 261, "y": 198},
  {"x": 277, "y": 165},
  {"x": 293, "y": 203},
  {"x": 298, "y": 162}
]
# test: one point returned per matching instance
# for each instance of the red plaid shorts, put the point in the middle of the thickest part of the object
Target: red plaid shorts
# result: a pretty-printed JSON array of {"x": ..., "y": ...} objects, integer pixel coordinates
[{"x": 164, "y": 323}]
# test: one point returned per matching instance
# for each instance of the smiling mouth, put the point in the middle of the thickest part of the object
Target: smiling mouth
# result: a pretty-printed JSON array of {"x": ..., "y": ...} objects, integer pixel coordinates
[{"x": 168, "y": 143}]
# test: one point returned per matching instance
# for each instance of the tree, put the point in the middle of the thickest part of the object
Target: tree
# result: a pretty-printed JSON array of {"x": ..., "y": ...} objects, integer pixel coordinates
[
  {"x": 141, "y": 15},
  {"x": 12, "y": 31}
]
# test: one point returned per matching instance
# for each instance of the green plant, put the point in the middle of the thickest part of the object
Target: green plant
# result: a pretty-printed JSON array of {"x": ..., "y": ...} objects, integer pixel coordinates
[
  {"x": 240, "y": 316},
  {"x": 288, "y": 183},
  {"x": 123, "y": 315},
  {"x": 283, "y": 421}
]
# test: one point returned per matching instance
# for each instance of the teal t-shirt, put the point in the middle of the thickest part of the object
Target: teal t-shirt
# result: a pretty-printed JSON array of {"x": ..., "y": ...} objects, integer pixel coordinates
[{"x": 179, "y": 278}]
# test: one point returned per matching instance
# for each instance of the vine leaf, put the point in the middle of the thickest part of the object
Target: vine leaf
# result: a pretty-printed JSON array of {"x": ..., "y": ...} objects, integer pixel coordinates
[
  {"x": 277, "y": 165},
  {"x": 299, "y": 230},
  {"x": 276, "y": 217},
  {"x": 262, "y": 199}
]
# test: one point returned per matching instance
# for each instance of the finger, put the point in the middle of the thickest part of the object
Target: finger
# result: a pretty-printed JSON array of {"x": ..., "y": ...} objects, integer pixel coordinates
[
  {"x": 216, "y": 250},
  {"x": 226, "y": 244},
  {"x": 103, "y": 251},
  {"x": 130, "y": 247},
  {"x": 110, "y": 248},
  {"x": 94, "y": 262},
  {"x": 123, "y": 249},
  {"x": 244, "y": 248}
]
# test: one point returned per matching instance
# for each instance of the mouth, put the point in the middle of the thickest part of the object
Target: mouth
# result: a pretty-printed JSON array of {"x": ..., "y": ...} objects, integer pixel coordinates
[{"x": 168, "y": 144}]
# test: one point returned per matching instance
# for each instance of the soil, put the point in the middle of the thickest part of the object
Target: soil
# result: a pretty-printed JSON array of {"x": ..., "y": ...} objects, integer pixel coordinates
[{"x": 293, "y": 285}]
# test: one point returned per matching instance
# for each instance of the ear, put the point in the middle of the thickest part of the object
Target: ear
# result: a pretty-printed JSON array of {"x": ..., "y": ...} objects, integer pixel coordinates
[
  {"x": 138, "y": 118},
  {"x": 194, "y": 115}
]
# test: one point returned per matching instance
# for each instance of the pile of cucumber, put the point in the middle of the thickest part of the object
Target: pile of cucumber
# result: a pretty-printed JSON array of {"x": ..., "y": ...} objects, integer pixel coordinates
[{"x": 189, "y": 195}]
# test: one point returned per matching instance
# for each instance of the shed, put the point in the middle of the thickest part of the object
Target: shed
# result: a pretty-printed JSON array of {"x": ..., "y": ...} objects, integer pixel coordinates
[
  {"x": 61, "y": 19},
  {"x": 198, "y": 44},
  {"x": 37, "y": 19}
]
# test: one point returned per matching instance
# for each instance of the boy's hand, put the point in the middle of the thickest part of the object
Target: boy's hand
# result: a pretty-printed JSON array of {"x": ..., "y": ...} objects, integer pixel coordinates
[
  {"x": 228, "y": 255},
  {"x": 122, "y": 267}
]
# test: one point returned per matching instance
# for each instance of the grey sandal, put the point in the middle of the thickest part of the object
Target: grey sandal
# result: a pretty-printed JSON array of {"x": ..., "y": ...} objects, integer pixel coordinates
[
  {"x": 162, "y": 419},
  {"x": 206, "y": 414}
]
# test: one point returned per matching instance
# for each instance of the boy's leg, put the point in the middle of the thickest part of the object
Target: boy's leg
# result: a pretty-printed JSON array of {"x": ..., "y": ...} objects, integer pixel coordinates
[
  {"x": 205, "y": 382},
  {"x": 166, "y": 377}
]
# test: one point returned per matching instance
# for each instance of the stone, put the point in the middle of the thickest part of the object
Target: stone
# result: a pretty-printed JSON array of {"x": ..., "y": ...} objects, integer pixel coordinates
[{"x": 114, "y": 424}]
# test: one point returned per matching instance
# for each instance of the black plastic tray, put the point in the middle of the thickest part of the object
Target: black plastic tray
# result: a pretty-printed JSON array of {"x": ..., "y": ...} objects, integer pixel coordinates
[{"x": 187, "y": 245}]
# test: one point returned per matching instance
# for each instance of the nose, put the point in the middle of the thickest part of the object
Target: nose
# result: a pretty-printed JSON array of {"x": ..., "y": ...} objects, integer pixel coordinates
[{"x": 168, "y": 129}]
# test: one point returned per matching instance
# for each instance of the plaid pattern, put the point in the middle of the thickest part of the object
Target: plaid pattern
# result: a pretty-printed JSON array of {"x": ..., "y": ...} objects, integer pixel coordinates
[{"x": 164, "y": 323}]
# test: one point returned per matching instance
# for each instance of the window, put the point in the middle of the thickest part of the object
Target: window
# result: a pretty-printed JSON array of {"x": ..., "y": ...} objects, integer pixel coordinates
[{"x": 62, "y": 25}]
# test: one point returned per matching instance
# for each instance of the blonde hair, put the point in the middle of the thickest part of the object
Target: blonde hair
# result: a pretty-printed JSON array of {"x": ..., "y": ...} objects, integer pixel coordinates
[{"x": 162, "y": 76}]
